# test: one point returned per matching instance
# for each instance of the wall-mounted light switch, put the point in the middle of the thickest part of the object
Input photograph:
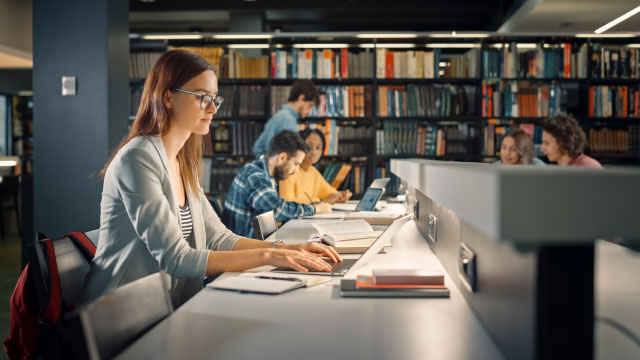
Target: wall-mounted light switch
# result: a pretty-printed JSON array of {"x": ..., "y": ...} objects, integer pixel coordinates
[
  {"x": 68, "y": 86},
  {"x": 467, "y": 265},
  {"x": 432, "y": 227}
]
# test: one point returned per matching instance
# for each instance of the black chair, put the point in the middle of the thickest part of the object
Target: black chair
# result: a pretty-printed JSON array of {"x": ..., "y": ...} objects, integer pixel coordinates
[
  {"x": 115, "y": 320},
  {"x": 264, "y": 225},
  {"x": 9, "y": 188}
]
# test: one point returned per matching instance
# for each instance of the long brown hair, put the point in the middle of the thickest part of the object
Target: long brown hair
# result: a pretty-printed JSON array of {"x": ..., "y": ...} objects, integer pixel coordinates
[
  {"x": 524, "y": 144},
  {"x": 171, "y": 71}
]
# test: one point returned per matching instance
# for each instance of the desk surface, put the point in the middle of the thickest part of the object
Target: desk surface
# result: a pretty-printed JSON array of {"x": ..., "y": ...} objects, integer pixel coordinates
[
  {"x": 316, "y": 323},
  {"x": 617, "y": 297}
]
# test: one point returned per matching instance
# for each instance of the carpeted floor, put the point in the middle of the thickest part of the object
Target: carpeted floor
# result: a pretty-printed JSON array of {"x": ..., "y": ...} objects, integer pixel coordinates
[{"x": 10, "y": 267}]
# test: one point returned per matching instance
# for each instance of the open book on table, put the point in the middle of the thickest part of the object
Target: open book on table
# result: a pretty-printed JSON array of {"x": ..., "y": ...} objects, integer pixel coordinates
[
  {"x": 267, "y": 282},
  {"x": 336, "y": 232}
]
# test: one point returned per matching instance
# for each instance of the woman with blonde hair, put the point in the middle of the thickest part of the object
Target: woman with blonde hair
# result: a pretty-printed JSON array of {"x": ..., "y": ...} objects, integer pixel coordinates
[{"x": 153, "y": 215}]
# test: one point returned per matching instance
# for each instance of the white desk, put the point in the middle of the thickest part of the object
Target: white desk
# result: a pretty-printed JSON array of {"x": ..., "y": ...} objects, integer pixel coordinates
[
  {"x": 617, "y": 297},
  {"x": 316, "y": 323}
]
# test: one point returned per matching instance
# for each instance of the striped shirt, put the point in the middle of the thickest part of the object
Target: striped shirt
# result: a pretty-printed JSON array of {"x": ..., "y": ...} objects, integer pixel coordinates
[{"x": 185, "y": 220}]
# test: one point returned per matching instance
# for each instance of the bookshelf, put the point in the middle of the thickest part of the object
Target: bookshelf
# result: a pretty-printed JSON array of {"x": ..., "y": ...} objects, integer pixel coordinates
[{"x": 416, "y": 97}]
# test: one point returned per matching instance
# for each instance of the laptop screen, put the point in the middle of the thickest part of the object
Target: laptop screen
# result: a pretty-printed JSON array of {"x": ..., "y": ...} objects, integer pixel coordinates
[{"x": 369, "y": 199}]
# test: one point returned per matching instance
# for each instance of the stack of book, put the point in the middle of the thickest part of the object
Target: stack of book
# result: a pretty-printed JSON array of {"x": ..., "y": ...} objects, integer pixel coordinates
[
  {"x": 348, "y": 140},
  {"x": 421, "y": 64},
  {"x": 615, "y": 62},
  {"x": 396, "y": 283},
  {"x": 614, "y": 101},
  {"x": 426, "y": 100},
  {"x": 140, "y": 63},
  {"x": 343, "y": 101},
  {"x": 321, "y": 64},
  {"x": 243, "y": 100},
  {"x": 235, "y": 65},
  {"x": 409, "y": 137},
  {"x": 545, "y": 62},
  {"x": 213, "y": 55},
  {"x": 523, "y": 99},
  {"x": 615, "y": 142}
]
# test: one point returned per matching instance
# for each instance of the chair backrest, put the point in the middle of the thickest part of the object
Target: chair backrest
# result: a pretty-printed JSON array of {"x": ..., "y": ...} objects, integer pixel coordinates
[
  {"x": 264, "y": 225},
  {"x": 59, "y": 270},
  {"x": 215, "y": 203},
  {"x": 113, "y": 321}
]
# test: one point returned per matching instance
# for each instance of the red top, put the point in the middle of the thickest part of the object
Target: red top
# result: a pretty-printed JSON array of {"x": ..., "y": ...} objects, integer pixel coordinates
[{"x": 585, "y": 161}]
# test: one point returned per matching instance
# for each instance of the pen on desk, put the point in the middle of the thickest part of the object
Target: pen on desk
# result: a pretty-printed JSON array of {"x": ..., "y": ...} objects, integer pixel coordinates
[
  {"x": 277, "y": 278},
  {"x": 309, "y": 197}
]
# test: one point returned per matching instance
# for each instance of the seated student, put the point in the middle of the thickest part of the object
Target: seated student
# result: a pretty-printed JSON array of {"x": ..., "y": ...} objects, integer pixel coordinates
[
  {"x": 153, "y": 215},
  {"x": 302, "y": 96},
  {"x": 308, "y": 182},
  {"x": 517, "y": 148},
  {"x": 563, "y": 141},
  {"x": 253, "y": 191}
]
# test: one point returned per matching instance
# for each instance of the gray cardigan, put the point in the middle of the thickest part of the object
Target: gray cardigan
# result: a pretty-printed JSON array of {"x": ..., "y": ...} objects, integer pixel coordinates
[{"x": 139, "y": 223}]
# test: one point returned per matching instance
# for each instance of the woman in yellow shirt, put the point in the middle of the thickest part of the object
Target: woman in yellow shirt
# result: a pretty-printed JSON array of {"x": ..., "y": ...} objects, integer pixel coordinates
[{"x": 308, "y": 184}]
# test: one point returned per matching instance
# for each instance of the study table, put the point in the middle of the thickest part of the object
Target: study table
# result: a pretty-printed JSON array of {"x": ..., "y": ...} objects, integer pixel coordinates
[{"x": 316, "y": 323}]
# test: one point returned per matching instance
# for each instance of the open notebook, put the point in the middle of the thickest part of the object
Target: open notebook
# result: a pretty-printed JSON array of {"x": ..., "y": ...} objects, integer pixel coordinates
[{"x": 267, "y": 282}]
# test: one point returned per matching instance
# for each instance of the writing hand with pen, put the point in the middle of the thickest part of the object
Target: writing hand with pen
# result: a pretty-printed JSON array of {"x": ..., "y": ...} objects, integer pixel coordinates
[{"x": 322, "y": 207}]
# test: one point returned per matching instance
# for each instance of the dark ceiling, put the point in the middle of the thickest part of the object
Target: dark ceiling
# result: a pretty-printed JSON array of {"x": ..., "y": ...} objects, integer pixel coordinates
[{"x": 327, "y": 15}]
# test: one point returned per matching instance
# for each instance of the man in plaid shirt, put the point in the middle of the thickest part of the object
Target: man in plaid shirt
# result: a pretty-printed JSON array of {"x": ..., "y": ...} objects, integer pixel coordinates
[{"x": 254, "y": 189}]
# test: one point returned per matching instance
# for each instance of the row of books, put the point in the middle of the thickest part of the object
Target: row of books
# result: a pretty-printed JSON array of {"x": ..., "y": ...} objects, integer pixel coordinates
[
  {"x": 217, "y": 177},
  {"x": 140, "y": 63},
  {"x": 213, "y": 55},
  {"x": 522, "y": 98},
  {"x": 393, "y": 187},
  {"x": 496, "y": 130},
  {"x": 243, "y": 100},
  {"x": 336, "y": 173},
  {"x": 614, "y": 101},
  {"x": 334, "y": 101},
  {"x": 409, "y": 137},
  {"x": 232, "y": 138},
  {"x": 343, "y": 140},
  {"x": 356, "y": 179},
  {"x": 615, "y": 141},
  {"x": 135, "y": 96},
  {"x": 547, "y": 62},
  {"x": 615, "y": 62},
  {"x": 235, "y": 65},
  {"x": 343, "y": 101},
  {"x": 321, "y": 64},
  {"x": 564, "y": 60},
  {"x": 426, "y": 100}
]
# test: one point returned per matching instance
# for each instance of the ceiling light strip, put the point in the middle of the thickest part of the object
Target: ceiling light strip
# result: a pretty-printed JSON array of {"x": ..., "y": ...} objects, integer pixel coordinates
[{"x": 617, "y": 21}]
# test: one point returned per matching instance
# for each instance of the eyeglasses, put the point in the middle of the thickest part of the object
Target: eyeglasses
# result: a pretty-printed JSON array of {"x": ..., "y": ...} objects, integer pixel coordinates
[{"x": 205, "y": 100}]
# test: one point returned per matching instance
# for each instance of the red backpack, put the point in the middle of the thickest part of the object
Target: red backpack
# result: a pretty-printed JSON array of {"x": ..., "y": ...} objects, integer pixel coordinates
[{"x": 48, "y": 287}]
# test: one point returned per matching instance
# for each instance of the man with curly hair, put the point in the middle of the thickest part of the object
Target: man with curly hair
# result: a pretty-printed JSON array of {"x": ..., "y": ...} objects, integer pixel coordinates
[{"x": 563, "y": 141}]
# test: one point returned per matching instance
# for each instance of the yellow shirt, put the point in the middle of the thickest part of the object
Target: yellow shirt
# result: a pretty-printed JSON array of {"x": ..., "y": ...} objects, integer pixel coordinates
[{"x": 309, "y": 181}]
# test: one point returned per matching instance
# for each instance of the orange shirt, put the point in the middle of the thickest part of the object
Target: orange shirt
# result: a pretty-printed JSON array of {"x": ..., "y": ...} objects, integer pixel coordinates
[{"x": 309, "y": 181}]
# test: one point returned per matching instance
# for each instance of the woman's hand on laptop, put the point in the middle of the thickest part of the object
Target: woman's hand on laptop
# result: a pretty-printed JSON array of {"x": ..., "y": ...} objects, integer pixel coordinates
[
  {"x": 317, "y": 249},
  {"x": 298, "y": 260}
]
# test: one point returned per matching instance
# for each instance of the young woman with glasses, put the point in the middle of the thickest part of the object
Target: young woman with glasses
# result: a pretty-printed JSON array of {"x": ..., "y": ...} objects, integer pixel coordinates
[{"x": 154, "y": 216}]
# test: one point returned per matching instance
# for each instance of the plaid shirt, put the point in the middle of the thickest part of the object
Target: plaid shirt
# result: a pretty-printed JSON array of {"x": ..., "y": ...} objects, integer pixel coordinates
[{"x": 254, "y": 192}]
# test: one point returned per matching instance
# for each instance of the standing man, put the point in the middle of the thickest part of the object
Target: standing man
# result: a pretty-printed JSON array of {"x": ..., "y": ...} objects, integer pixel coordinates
[
  {"x": 254, "y": 190},
  {"x": 302, "y": 97}
]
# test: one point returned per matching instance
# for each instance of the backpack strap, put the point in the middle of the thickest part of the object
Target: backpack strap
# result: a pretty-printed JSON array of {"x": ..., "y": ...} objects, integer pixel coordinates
[
  {"x": 84, "y": 243},
  {"x": 51, "y": 312}
]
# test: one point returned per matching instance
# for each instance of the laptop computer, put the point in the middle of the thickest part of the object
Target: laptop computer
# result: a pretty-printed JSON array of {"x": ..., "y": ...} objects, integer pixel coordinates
[
  {"x": 349, "y": 265},
  {"x": 369, "y": 200}
]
